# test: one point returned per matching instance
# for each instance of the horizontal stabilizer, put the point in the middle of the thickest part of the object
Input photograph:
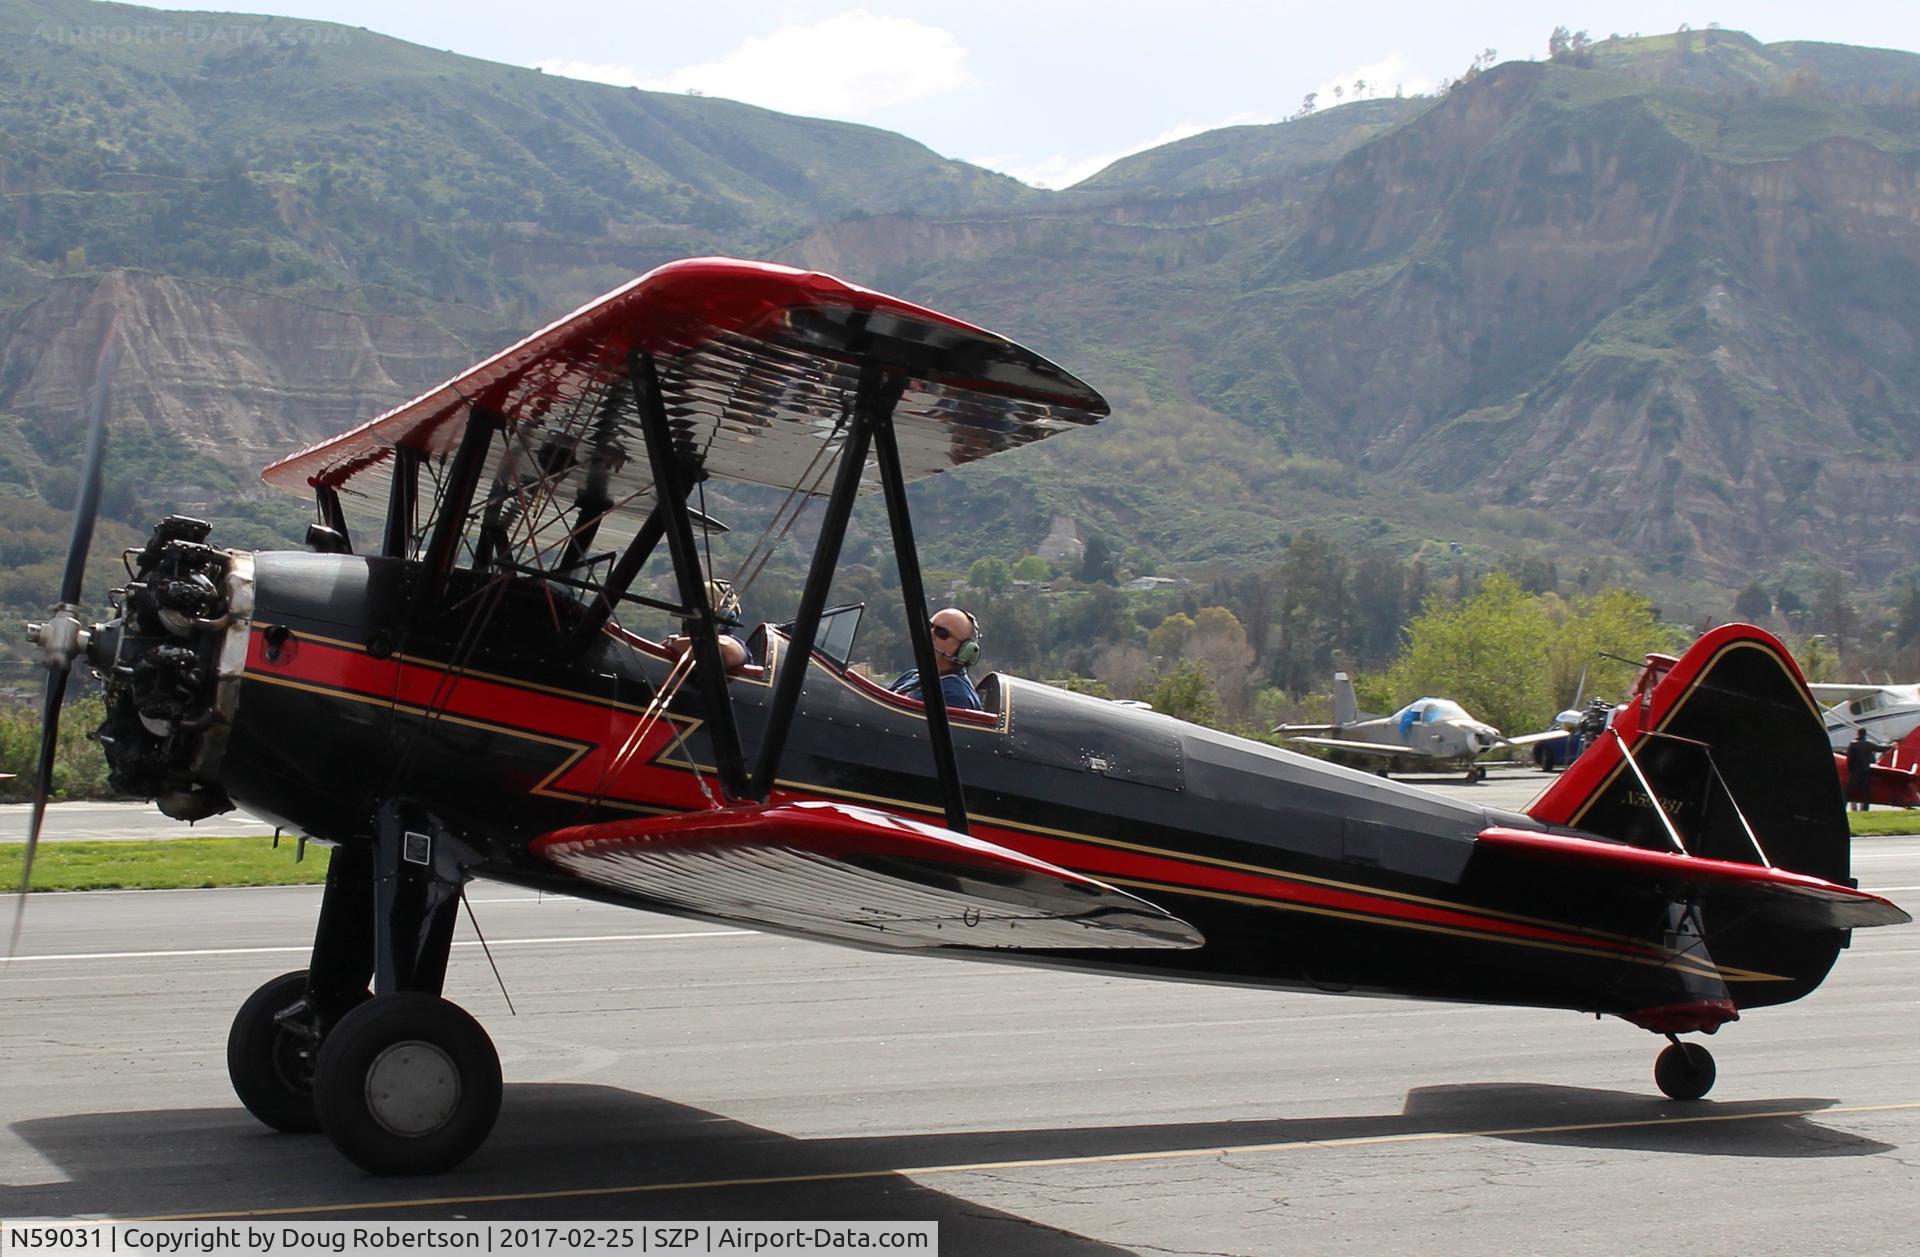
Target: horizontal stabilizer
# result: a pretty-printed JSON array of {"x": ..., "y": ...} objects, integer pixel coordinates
[
  {"x": 1779, "y": 895},
  {"x": 851, "y": 874},
  {"x": 1363, "y": 748}
]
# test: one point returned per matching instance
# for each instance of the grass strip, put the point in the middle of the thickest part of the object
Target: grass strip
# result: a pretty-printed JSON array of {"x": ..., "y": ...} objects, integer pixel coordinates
[
  {"x": 1884, "y": 821},
  {"x": 164, "y": 864}
]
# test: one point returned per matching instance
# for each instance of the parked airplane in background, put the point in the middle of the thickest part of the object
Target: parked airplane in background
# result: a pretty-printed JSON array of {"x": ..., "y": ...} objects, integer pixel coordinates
[
  {"x": 1426, "y": 733},
  {"x": 1887, "y": 712},
  {"x": 1896, "y": 774}
]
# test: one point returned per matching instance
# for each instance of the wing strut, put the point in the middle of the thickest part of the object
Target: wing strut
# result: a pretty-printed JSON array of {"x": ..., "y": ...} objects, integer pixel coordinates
[
  {"x": 402, "y": 496},
  {"x": 635, "y": 557},
  {"x": 813, "y": 596},
  {"x": 913, "y": 595},
  {"x": 326, "y": 500},
  {"x": 672, "y": 480},
  {"x": 469, "y": 460},
  {"x": 872, "y": 425}
]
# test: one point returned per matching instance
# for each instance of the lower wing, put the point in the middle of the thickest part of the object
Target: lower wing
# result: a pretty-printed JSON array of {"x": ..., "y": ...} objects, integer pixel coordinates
[{"x": 850, "y": 874}]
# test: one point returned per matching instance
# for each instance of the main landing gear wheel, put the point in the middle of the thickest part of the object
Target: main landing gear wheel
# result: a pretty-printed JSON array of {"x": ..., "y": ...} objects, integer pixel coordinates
[
  {"x": 1685, "y": 1071},
  {"x": 407, "y": 1084},
  {"x": 270, "y": 1058}
]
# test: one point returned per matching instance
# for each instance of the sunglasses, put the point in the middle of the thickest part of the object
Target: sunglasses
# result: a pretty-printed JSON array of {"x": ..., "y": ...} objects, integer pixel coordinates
[{"x": 941, "y": 631}]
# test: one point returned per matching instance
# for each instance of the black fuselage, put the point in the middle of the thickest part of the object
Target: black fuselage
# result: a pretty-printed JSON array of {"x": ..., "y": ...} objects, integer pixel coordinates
[{"x": 1300, "y": 874}]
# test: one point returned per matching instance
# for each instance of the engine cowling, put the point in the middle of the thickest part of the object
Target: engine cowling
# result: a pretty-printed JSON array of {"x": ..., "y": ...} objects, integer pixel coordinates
[{"x": 172, "y": 659}]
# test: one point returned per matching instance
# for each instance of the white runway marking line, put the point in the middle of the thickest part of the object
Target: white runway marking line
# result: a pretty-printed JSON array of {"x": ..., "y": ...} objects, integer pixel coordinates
[
  {"x": 987, "y": 1167},
  {"x": 306, "y": 947}
]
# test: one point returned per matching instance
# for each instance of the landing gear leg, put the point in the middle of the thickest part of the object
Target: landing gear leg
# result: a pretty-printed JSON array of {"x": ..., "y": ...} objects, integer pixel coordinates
[
  {"x": 1684, "y": 1071},
  {"x": 276, "y": 1036},
  {"x": 402, "y": 1081}
]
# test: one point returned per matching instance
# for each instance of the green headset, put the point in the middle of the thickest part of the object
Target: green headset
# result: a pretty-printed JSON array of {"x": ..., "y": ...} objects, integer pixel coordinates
[{"x": 967, "y": 653}]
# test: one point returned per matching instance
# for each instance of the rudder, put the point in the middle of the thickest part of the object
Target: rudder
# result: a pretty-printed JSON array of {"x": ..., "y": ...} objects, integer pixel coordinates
[{"x": 1730, "y": 722}]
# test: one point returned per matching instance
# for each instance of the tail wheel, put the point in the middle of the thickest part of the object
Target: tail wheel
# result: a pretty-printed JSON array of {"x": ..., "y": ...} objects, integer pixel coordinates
[
  {"x": 270, "y": 1052},
  {"x": 407, "y": 1083},
  {"x": 1685, "y": 1071}
]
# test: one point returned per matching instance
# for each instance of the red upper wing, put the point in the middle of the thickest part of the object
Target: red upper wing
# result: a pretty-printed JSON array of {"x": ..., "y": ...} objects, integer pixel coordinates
[{"x": 757, "y": 363}]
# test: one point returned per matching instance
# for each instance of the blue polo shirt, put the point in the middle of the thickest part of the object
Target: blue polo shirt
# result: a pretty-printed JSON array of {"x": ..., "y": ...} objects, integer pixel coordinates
[{"x": 958, "y": 690}]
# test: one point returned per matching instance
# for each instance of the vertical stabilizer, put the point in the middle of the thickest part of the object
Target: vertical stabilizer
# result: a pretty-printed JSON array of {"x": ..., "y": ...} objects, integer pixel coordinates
[
  {"x": 1722, "y": 752},
  {"x": 1346, "y": 709}
]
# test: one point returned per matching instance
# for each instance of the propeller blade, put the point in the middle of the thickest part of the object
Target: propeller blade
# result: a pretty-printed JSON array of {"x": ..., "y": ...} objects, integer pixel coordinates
[
  {"x": 86, "y": 503},
  {"x": 56, "y": 695},
  {"x": 61, "y": 637}
]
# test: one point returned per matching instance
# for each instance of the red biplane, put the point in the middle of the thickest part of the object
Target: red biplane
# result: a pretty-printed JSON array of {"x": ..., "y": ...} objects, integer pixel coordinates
[{"x": 442, "y": 689}]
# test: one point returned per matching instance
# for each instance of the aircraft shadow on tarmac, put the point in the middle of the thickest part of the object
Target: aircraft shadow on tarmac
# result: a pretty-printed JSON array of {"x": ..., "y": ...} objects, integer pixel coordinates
[
  {"x": 1583, "y": 1117},
  {"x": 618, "y": 1154}
]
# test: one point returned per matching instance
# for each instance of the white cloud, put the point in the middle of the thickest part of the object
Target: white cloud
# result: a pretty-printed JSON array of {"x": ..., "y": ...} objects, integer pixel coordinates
[
  {"x": 1062, "y": 170},
  {"x": 851, "y": 65},
  {"x": 1392, "y": 74}
]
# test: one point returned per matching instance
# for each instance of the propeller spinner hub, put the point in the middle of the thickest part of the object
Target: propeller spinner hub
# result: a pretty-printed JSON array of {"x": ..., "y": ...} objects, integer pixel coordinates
[{"x": 61, "y": 637}]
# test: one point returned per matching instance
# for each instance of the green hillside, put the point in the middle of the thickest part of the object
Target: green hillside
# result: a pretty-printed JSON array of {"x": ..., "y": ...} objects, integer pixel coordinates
[
  {"x": 1647, "y": 312},
  {"x": 323, "y": 159},
  {"x": 1236, "y": 156}
]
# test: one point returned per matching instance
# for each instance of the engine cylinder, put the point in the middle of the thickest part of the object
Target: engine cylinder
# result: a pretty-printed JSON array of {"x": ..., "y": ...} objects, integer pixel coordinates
[{"x": 169, "y": 662}]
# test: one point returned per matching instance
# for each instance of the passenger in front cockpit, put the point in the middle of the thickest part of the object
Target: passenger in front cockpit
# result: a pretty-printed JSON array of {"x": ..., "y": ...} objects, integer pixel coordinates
[{"x": 734, "y": 654}]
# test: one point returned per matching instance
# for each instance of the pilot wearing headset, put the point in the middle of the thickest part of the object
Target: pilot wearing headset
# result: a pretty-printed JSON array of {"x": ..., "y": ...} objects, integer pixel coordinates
[
  {"x": 956, "y": 645},
  {"x": 734, "y": 654}
]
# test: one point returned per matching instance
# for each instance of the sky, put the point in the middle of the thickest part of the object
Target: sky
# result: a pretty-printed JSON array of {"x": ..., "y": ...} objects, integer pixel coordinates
[{"x": 1052, "y": 92}]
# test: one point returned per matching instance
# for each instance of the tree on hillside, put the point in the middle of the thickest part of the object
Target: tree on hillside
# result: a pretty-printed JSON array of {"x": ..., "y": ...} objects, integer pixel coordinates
[
  {"x": 1753, "y": 604},
  {"x": 1098, "y": 561},
  {"x": 1833, "y": 613},
  {"x": 1906, "y": 629},
  {"x": 1598, "y": 634},
  {"x": 1569, "y": 46},
  {"x": 1186, "y": 693},
  {"x": 1032, "y": 568},
  {"x": 1168, "y": 641},
  {"x": 1220, "y": 644},
  {"x": 1379, "y": 590},
  {"x": 1487, "y": 653},
  {"x": 1126, "y": 670},
  {"x": 1311, "y": 620},
  {"x": 991, "y": 577}
]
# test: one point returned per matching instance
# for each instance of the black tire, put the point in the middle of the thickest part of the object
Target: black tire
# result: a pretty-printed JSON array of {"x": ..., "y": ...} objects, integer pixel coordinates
[
  {"x": 270, "y": 1065},
  {"x": 407, "y": 1084},
  {"x": 1685, "y": 1071}
]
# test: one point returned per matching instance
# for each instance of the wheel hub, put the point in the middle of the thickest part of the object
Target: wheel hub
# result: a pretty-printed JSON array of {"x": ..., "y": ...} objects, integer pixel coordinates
[{"x": 413, "y": 1088}]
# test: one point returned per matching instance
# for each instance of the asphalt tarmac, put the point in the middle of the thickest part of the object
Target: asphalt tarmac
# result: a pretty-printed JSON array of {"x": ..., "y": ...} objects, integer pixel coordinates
[
  {"x": 663, "y": 1069},
  {"x": 111, "y": 821}
]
